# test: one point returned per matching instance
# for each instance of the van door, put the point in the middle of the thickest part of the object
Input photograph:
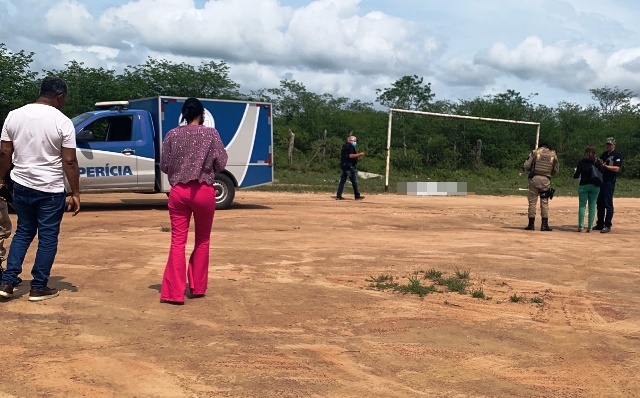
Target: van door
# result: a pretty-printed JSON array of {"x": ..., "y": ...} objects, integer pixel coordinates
[{"x": 108, "y": 159}]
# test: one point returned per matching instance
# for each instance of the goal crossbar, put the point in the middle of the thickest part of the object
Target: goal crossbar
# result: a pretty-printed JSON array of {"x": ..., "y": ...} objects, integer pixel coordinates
[{"x": 486, "y": 119}]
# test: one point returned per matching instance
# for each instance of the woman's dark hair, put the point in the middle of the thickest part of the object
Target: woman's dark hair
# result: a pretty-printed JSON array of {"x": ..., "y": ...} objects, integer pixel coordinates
[
  {"x": 192, "y": 109},
  {"x": 590, "y": 152}
]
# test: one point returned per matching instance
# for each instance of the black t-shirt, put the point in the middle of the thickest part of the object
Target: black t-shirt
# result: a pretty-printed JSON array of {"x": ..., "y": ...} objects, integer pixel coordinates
[
  {"x": 583, "y": 170},
  {"x": 611, "y": 159},
  {"x": 348, "y": 149}
]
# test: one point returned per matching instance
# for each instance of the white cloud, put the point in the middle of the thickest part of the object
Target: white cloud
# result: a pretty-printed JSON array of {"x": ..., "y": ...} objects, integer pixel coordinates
[
  {"x": 70, "y": 20},
  {"x": 559, "y": 48},
  {"x": 563, "y": 64}
]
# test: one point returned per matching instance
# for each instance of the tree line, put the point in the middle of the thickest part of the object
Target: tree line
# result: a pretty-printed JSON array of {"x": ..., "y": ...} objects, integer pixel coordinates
[{"x": 321, "y": 122}]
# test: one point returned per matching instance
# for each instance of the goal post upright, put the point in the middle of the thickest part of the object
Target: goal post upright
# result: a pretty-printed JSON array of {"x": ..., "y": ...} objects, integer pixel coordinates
[
  {"x": 386, "y": 180},
  {"x": 485, "y": 119}
]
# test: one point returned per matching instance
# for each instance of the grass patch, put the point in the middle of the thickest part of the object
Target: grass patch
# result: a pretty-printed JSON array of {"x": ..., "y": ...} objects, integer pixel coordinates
[
  {"x": 382, "y": 282},
  {"x": 423, "y": 283},
  {"x": 433, "y": 274},
  {"x": 454, "y": 284},
  {"x": 462, "y": 274},
  {"x": 164, "y": 228},
  {"x": 537, "y": 300},
  {"x": 478, "y": 293},
  {"x": 416, "y": 287},
  {"x": 484, "y": 181},
  {"x": 515, "y": 298}
]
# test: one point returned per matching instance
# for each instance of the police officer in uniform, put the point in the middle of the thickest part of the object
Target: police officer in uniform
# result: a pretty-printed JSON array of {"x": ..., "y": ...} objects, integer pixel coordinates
[{"x": 542, "y": 164}]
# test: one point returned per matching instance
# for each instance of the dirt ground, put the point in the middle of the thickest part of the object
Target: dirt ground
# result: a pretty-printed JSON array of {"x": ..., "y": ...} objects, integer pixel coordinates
[{"x": 289, "y": 311}]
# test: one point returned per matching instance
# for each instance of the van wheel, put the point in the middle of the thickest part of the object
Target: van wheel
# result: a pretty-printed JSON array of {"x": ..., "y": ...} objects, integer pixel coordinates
[{"x": 225, "y": 191}]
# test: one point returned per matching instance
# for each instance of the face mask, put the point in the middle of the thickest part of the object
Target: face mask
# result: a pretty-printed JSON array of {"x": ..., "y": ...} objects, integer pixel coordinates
[{"x": 353, "y": 143}]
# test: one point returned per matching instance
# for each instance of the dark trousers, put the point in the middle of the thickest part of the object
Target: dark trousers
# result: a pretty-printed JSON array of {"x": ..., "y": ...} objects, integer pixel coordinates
[
  {"x": 350, "y": 171},
  {"x": 605, "y": 204}
]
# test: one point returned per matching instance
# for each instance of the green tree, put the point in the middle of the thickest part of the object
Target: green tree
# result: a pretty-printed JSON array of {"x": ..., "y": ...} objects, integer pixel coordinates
[
  {"x": 17, "y": 85},
  {"x": 162, "y": 77},
  {"x": 87, "y": 86},
  {"x": 612, "y": 99},
  {"x": 410, "y": 93}
]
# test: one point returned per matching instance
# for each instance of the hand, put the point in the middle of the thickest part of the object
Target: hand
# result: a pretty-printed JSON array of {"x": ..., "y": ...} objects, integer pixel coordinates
[
  {"x": 74, "y": 204},
  {"x": 361, "y": 154}
]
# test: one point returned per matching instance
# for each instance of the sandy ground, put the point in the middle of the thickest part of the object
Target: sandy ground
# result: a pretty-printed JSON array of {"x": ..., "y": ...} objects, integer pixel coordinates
[{"x": 289, "y": 311}]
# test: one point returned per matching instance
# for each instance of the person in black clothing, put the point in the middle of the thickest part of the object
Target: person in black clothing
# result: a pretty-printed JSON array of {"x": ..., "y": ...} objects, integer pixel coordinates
[
  {"x": 611, "y": 162},
  {"x": 348, "y": 161},
  {"x": 589, "y": 187}
]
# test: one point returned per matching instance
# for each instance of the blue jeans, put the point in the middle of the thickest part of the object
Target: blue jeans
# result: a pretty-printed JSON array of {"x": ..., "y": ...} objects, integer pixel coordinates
[
  {"x": 38, "y": 212},
  {"x": 350, "y": 171}
]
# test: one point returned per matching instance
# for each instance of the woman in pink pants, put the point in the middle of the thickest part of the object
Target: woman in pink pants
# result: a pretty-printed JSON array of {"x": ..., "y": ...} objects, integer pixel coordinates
[{"x": 191, "y": 156}]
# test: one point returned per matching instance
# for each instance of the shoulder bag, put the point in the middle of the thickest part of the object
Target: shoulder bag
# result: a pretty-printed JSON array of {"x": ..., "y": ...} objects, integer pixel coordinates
[{"x": 596, "y": 176}]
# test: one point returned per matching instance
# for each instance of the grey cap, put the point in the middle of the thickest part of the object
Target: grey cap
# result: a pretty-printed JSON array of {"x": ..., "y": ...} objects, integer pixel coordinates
[{"x": 610, "y": 140}]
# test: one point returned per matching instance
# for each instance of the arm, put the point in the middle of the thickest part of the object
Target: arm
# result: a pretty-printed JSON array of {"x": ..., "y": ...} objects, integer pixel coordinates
[
  {"x": 577, "y": 173},
  {"x": 615, "y": 169},
  {"x": 353, "y": 154},
  {"x": 70, "y": 166},
  {"x": 528, "y": 163},
  {"x": 556, "y": 167},
  {"x": 166, "y": 153},
  {"x": 6, "y": 153},
  {"x": 221, "y": 156}
]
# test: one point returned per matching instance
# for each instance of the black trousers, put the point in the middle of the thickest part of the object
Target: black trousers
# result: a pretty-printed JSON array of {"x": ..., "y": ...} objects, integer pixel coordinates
[
  {"x": 348, "y": 170},
  {"x": 605, "y": 204}
]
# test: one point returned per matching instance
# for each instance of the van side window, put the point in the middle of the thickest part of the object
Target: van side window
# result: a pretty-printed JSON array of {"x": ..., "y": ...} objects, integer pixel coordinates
[{"x": 114, "y": 128}]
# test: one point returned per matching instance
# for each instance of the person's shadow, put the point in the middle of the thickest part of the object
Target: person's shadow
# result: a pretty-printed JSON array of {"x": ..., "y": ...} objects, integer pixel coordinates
[
  {"x": 54, "y": 282},
  {"x": 564, "y": 228}
]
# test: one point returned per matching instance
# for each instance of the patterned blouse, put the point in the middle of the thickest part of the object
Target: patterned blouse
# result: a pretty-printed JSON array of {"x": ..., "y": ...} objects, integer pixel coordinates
[{"x": 192, "y": 153}]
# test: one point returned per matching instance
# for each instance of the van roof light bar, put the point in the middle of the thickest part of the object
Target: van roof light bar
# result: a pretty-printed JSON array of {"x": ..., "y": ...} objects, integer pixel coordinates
[{"x": 114, "y": 105}]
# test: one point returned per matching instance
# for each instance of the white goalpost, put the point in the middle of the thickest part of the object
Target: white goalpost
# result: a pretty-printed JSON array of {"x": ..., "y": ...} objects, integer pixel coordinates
[{"x": 391, "y": 110}]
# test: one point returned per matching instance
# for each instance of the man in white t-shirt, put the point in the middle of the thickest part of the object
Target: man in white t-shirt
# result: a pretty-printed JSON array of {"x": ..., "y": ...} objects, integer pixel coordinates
[{"x": 41, "y": 142}]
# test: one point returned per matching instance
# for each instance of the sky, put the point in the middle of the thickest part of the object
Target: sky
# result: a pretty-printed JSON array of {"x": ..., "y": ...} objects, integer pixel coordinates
[{"x": 550, "y": 50}]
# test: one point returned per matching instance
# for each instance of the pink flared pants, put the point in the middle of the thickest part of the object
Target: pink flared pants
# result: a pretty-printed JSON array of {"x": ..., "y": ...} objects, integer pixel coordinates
[{"x": 198, "y": 199}]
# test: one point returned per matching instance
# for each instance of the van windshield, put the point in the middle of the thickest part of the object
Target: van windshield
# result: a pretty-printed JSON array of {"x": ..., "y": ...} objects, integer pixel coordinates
[{"x": 80, "y": 118}]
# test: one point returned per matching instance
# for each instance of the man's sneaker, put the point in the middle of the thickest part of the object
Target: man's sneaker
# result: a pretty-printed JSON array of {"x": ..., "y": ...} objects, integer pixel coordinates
[
  {"x": 604, "y": 230},
  {"x": 339, "y": 198},
  {"x": 6, "y": 290},
  {"x": 43, "y": 294},
  {"x": 359, "y": 197},
  {"x": 598, "y": 227}
]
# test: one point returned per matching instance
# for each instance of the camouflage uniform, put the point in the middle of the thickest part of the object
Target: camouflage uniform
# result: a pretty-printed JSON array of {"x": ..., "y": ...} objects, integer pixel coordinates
[
  {"x": 5, "y": 229},
  {"x": 542, "y": 164}
]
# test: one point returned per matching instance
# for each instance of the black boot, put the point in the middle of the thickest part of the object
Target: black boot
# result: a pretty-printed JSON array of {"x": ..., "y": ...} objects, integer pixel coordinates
[
  {"x": 545, "y": 225},
  {"x": 531, "y": 226}
]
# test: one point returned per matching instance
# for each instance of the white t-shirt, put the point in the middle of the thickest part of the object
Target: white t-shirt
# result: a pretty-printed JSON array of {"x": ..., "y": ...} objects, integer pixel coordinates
[{"x": 38, "y": 133}]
